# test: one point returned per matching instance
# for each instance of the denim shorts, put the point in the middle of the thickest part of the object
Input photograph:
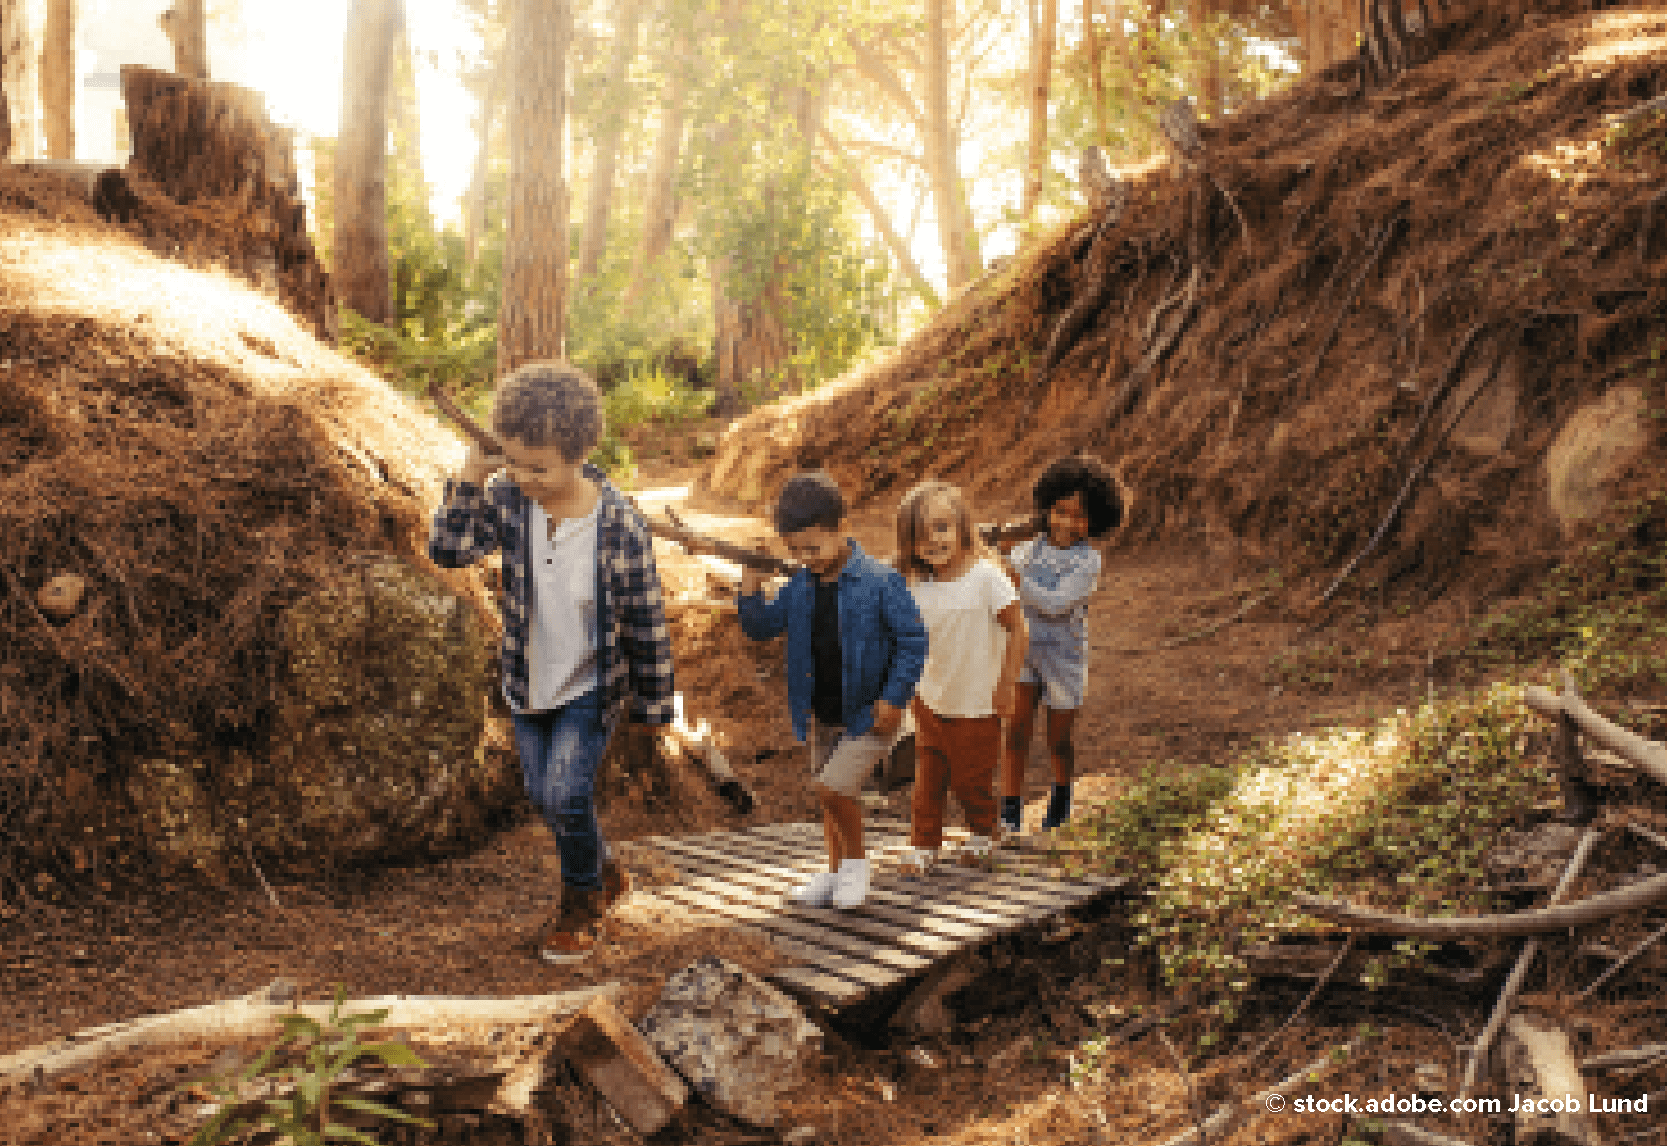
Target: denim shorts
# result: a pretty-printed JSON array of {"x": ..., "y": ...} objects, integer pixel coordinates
[{"x": 1056, "y": 662}]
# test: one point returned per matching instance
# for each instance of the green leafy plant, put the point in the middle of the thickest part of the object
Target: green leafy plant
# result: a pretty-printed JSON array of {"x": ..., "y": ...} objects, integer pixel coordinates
[{"x": 303, "y": 1115}]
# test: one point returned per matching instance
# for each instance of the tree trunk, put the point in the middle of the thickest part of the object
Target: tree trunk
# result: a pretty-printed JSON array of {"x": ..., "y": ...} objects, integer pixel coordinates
[
  {"x": 1206, "y": 53},
  {"x": 532, "y": 318},
  {"x": 1097, "y": 73},
  {"x": 847, "y": 167},
  {"x": 660, "y": 209},
  {"x": 360, "y": 242},
  {"x": 960, "y": 245},
  {"x": 1041, "y": 72},
  {"x": 752, "y": 341},
  {"x": 615, "y": 109},
  {"x": 186, "y": 26},
  {"x": 58, "y": 80},
  {"x": 200, "y": 140},
  {"x": 18, "y": 85},
  {"x": 475, "y": 197}
]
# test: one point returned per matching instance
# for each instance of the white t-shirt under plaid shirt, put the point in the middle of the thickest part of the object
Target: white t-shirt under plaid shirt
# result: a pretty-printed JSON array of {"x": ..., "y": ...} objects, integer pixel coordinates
[{"x": 561, "y": 654}]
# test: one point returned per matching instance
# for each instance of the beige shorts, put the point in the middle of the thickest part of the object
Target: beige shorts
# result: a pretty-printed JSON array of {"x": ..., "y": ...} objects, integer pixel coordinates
[{"x": 843, "y": 762}]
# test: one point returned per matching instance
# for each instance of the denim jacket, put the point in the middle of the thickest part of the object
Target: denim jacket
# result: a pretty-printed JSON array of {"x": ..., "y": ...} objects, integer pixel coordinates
[{"x": 882, "y": 640}]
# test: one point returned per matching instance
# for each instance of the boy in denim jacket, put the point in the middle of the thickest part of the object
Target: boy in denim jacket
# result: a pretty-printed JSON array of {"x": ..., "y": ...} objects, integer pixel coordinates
[{"x": 855, "y": 648}]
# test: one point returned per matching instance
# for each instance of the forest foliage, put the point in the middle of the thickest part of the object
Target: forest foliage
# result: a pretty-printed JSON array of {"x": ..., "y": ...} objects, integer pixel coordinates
[{"x": 801, "y": 187}]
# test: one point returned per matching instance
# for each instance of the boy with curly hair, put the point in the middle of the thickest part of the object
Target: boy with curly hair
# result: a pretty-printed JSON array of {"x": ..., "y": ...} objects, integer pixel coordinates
[{"x": 585, "y": 637}]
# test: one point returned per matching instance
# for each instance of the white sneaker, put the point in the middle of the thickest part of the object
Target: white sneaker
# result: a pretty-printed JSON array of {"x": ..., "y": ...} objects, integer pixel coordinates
[
  {"x": 917, "y": 862},
  {"x": 977, "y": 851},
  {"x": 851, "y": 887},
  {"x": 817, "y": 892}
]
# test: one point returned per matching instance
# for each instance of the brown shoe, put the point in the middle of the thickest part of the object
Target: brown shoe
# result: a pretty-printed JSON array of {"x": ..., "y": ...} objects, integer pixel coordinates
[
  {"x": 568, "y": 937},
  {"x": 616, "y": 884}
]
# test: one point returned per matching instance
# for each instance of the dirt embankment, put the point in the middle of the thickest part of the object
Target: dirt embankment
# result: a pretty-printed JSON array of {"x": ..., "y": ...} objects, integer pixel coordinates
[{"x": 1448, "y": 300}]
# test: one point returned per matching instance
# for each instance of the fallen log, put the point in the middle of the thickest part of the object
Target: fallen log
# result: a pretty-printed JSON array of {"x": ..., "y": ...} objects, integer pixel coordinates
[
  {"x": 619, "y": 1062},
  {"x": 261, "y": 1013},
  {"x": 1649, "y": 755},
  {"x": 1540, "y": 921},
  {"x": 1630, "y": 1059},
  {"x": 1539, "y": 1060}
]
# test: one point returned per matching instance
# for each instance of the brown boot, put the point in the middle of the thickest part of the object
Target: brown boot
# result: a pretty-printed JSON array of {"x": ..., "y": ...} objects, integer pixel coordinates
[
  {"x": 568, "y": 937},
  {"x": 616, "y": 884}
]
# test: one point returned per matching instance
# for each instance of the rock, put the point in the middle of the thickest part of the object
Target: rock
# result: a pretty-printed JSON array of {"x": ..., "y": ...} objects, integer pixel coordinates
[
  {"x": 1593, "y": 448},
  {"x": 381, "y": 714},
  {"x": 620, "y": 1063},
  {"x": 739, "y": 1041},
  {"x": 60, "y": 597},
  {"x": 377, "y": 746}
]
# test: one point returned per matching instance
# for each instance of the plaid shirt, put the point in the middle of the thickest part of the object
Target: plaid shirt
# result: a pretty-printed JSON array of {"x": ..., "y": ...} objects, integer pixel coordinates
[{"x": 635, "y": 653}]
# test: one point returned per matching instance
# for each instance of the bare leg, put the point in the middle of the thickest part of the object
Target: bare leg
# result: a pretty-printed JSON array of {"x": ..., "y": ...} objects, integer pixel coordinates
[
  {"x": 1015, "y": 747},
  {"x": 841, "y": 826},
  {"x": 1061, "y": 753}
]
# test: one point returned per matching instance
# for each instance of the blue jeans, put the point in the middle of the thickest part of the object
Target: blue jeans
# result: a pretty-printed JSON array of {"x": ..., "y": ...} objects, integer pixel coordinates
[{"x": 560, "y": 749}]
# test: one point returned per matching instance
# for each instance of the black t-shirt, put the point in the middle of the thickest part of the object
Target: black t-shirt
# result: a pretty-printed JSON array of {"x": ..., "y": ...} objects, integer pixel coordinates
[{"x": 827, "y": 699}]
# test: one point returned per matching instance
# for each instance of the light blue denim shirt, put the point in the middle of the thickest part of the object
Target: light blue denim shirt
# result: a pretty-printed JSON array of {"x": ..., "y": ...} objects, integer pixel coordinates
[{"x": 882, "y": 640}]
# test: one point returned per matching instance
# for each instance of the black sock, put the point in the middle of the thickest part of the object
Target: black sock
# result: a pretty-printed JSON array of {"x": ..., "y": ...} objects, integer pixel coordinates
[{"x": 1059, "y": 804}]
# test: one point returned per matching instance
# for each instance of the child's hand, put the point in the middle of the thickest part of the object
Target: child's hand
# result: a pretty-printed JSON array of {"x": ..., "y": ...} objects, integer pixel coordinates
[
  {"x": 1006, "y": 700},
  {"x": 752, "y": 580},
  {"x": 479, "y": 465},
  {"x": 886, "y": 719}
]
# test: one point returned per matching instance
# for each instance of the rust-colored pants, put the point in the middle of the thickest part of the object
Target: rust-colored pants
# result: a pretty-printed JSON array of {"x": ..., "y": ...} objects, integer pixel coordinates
[{"x": 953, "y": 754}]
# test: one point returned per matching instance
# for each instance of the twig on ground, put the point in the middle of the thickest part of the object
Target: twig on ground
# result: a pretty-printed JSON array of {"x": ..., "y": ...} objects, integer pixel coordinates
[
  {"x": 1530, "y": 949},
  {"x": 1620, "y": 964},
  {"x": 1644, "y": 833},
  {"x": 270, "y": 894},
  {"x": 1186, "y": 1080},
  {"x": 1314, "y": 992},
  {"x": 1228, "y": 1115}
]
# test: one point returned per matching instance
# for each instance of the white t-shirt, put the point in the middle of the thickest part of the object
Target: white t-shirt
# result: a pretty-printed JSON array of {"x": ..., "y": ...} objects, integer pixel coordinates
[
  {"x": 965, "y": 642},
  {"x": 562, "y": 637}
]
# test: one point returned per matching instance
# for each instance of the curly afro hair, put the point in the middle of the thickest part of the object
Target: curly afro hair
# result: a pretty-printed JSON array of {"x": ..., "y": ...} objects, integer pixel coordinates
[{"x": 1087, "y": 475}]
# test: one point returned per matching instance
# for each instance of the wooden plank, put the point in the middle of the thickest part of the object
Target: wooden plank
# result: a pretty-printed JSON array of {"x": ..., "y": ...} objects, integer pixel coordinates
[
  {"x": 887, "y": 843},
  {"x": 950, "y": 919},
  {"x": 948, "y": 893},
  {"x": 858, "y": 978},
  {"x": 1002, "y": 885},
  {"x": 916, "y": 939},
  {"x": 765, "y": 913},
  {"x": 812, "y": 985}
]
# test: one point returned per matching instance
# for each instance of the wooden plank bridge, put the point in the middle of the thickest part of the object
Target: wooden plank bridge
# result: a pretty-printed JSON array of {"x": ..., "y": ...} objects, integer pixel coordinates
[{"x": 740, "y": 878}]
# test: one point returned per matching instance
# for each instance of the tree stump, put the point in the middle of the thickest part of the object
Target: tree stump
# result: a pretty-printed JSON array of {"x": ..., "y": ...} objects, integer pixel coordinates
[{"x": 209, "y": 143}]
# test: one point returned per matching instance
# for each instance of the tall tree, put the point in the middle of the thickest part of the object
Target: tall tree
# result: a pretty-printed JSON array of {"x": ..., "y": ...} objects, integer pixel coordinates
[
  {"x": 660, "y": 201},
  {"x": 18, "y": 83},
  {"x": 955, "y": 232},
  {"x": 1044, "y": 23},
  {"x": 58, "y": 79},
  {"x": 610, "y": 130},
  {"x": 532, "y": 316},
  {"x": 1097, "y": 67},
  {"x": 186, "y": 26},
  {"x": 360, "y": 240}
]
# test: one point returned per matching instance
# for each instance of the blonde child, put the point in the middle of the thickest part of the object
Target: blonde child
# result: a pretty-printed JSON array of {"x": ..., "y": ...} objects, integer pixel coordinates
[
  {"x": 1077, "y": 501},
  {"x": 976, "y": 641}
]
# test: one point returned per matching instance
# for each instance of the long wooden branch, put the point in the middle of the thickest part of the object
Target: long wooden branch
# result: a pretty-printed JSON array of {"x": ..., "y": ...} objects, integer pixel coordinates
[
  {"x": 1644, "y": 893},
  {"x": 261, "y": 1012},
  {"x": 673, "y": 529},
  {"x": 1649, "y": 755}
]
